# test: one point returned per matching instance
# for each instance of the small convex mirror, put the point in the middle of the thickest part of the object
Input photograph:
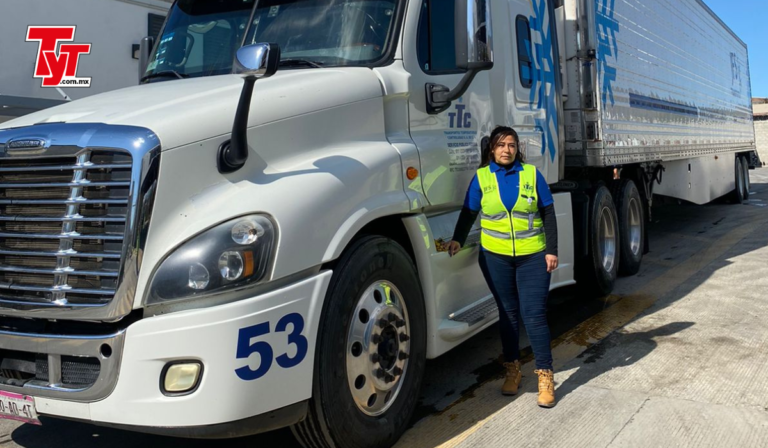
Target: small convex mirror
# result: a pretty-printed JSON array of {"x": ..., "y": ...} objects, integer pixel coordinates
[
  {"x": 258, "y": 60},
  {"x": 474, "y": 43}
]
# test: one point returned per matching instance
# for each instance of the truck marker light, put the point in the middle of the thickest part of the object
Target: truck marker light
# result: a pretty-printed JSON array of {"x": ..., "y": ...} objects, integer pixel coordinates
[
  {"x": 198, "y": 276},
  {"x": 248, "y": 257},
  {"x": 412, "y": 173},
  {"x": 181, "y": 377}
]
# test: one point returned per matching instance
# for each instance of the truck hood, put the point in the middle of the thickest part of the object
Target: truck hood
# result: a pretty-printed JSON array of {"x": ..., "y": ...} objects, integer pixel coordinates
[{"x": 184, "y": 111}]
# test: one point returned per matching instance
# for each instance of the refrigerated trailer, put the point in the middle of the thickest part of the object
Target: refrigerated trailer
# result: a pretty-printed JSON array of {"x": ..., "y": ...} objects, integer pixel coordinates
[{"x": 255, "y": 236}]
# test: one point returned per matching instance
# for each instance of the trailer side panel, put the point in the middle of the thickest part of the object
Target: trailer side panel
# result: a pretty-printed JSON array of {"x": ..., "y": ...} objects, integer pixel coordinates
[{"x": 670, "y": 82}]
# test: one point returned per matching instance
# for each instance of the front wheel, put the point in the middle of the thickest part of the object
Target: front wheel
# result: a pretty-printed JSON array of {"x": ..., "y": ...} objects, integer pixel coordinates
[{"x": 371, "y": 350}]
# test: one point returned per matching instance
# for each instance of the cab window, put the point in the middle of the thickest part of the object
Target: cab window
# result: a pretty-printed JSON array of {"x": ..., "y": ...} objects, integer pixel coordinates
[
  {"x": 524, "y": 52},
  {"x": 435, "y": 45}
]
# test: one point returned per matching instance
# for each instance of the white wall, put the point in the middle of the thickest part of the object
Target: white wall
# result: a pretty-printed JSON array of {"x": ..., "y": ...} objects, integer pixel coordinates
[
  {"x": 112, "y": 26},
  {"x": 761, "y": 134}
]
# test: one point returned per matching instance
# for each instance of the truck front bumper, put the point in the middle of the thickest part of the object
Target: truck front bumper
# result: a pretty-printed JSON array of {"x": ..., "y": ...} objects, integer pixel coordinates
[{"x": 213, "y": 337}]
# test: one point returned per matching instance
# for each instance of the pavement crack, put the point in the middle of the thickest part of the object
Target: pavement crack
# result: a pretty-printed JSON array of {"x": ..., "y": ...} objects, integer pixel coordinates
[{"x": 630, "y": 420}]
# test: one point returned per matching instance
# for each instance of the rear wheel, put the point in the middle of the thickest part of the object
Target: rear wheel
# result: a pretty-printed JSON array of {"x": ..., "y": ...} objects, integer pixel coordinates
[
  {"x": 745, "y": 169},
  {"x": 737, "y": 195},
  {"x": 630, "y": 211},
  {"x": 371, "y": 350},
  {"x": 597, "y": 273}
]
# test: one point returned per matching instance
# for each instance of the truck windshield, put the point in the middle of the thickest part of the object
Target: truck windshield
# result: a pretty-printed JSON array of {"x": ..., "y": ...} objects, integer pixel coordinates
[{"x": 201, "y": 37}]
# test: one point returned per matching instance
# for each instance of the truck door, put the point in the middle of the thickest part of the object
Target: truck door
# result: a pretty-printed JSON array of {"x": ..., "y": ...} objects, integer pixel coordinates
[
  {"x": 520, "y": 91},
  {"x": 448, "y": 142},
  {"x": 534, "y": 94}
]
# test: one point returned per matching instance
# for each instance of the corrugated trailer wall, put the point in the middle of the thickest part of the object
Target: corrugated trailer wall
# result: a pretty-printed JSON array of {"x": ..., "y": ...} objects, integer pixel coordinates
[{"x": 671, "y": 82}]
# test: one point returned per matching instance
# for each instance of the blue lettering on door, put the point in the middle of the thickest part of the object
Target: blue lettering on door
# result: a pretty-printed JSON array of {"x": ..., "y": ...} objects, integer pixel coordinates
[{"x": 459, "y": 119}]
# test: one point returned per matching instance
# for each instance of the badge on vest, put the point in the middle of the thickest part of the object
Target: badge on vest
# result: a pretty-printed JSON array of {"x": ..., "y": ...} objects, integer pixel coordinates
[{"x": 489, "y": 188}]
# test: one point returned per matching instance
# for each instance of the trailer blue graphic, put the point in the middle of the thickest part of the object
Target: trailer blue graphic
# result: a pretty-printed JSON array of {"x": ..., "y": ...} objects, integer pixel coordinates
[
  {"x": 544, "y": 89},
  {"x": 607, "y": 28}
]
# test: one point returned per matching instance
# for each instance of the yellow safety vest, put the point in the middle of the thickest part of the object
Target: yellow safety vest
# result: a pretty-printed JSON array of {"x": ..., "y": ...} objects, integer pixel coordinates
[{"x": 516, "y": 235}]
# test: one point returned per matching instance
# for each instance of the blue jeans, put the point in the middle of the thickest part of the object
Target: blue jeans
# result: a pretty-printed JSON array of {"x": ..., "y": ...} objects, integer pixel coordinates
[{"x": 520, "y": 286}]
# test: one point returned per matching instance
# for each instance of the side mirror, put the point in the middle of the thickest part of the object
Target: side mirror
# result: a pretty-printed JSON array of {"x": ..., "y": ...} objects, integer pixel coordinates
[
  {"x": 474, "y": 51},
  {"x": 474, "y": 45},
  {"x": 145, "y": 52},
  {"x": 255, "y": 62},
  {"x": 258, "y": 60}
]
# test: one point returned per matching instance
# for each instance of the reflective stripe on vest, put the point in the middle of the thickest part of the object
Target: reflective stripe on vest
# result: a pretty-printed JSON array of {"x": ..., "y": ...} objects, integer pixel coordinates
[{"x": 518, "y": 233}]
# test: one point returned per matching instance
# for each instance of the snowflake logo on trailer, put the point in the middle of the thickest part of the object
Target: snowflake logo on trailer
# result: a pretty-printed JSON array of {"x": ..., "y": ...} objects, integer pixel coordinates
[{"x": 56, "y": 64}]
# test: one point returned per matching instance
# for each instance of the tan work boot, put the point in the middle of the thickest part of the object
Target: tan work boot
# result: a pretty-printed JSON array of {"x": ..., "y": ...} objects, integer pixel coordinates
[
  {"x": 546, "y": 388},
  {"x": 513, "y": 378}
]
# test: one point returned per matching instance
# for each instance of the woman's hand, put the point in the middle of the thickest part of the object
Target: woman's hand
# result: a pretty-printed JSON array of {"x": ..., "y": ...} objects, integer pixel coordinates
[
  {"x": 551, "y": 263},
  {"x": 453, "y": 248}
]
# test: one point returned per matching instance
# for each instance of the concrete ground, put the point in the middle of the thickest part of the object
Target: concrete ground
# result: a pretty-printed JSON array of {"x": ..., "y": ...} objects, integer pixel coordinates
[{"x": 674, "y": 358}]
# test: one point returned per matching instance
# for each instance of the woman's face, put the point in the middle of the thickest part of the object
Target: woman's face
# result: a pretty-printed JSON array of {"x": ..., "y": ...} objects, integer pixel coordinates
[{"x": 505, "y": 151}]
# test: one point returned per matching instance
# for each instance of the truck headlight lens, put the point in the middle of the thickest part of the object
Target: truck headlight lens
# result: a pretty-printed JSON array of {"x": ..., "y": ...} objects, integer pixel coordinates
[
  {"x": 198, "y": 276},
  {"x": 232, "y": 254},
  {"x": 231, "y": 265}
]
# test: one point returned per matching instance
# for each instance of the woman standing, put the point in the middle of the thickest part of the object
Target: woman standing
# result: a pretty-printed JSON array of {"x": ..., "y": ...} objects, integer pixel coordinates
[{"x": 519, "y": 252}]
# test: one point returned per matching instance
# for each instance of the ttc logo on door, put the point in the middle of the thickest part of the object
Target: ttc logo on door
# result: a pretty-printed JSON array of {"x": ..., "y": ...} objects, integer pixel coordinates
[{"x": 56, "y": 64}]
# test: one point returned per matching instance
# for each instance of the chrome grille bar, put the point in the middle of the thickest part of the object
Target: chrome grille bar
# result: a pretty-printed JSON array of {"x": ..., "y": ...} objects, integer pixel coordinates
[
  {"x": 80, "y": 200},
  {"x": 22, "y": 218},
  {"x": 71, "y": 253},
  {"x": 82, "y": 183},
  {"x": 86, "y": 166}
]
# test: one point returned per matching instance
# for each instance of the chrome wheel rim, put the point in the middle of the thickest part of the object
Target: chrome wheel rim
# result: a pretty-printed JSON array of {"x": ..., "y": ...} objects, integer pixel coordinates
[
  {"x": 378, "y": 346},
  {"x": 607, "y": 239},
  {"x": 635, "y": 226}
]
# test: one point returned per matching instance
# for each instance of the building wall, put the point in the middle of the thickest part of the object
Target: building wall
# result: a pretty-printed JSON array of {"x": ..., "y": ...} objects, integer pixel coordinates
[
  {"x": 761, "y": 135},
  {"x": 760, "y": 111},
  {"x": 111, "y": 26}
]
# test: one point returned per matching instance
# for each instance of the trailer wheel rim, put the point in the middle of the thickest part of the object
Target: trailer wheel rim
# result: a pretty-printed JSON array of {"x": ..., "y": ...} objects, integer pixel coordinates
[
  {"x": 378, "y": 346},
  {"x": 741, "y": 184},
  {"x": 747, "y": 185},
  {"x": 607, "y": 239},
  {"x": 635, "y": 226}
]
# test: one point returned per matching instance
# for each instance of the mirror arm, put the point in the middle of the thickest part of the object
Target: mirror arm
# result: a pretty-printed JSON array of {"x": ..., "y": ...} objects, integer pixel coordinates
[
  {"x": 234, "y": 152},
  {"x": 439, "y": 98}
]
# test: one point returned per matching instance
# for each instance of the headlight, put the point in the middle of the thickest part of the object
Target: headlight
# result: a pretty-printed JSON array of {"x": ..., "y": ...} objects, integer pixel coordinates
[{"x": 229, "y": 255}]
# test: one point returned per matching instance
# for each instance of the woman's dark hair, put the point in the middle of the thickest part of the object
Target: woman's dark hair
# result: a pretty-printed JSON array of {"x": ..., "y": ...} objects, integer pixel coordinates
[{"x": 498, "y": 134}]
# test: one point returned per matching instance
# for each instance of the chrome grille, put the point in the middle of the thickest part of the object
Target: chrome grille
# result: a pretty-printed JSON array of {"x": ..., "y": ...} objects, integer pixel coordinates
[{"x": 62, "y": 225}]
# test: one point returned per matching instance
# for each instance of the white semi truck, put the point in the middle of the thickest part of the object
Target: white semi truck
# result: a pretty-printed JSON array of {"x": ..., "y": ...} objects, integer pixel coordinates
[{"x": 254, "y": 237}]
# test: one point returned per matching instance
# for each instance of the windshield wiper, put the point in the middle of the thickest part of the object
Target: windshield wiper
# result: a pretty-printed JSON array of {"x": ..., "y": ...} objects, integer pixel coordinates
[
  {"x": 295, "y": 62},
  {"x": 164, "y": 74}
]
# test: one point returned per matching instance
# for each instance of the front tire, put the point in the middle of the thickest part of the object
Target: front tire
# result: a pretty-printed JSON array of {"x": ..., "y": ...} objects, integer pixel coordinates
[{"x": 371, "y": 350}]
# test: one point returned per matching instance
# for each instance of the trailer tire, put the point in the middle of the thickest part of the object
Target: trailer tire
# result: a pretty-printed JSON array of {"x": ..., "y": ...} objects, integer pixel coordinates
[
  {"x": 373, "y": 269},
  {"x": 745, "y": 169},
  {"x": 630, "y": 211},
  {"x": 597, "y": 273},
  {"x": 737, "y": 195}
]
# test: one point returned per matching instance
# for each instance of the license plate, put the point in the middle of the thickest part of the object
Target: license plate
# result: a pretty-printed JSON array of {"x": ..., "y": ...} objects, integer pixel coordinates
[{"x": 18, "y": 407}]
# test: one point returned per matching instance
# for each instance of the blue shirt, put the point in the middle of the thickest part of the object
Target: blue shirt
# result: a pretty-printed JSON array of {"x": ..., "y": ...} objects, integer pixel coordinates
[{"x": 509, "y": 188}]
